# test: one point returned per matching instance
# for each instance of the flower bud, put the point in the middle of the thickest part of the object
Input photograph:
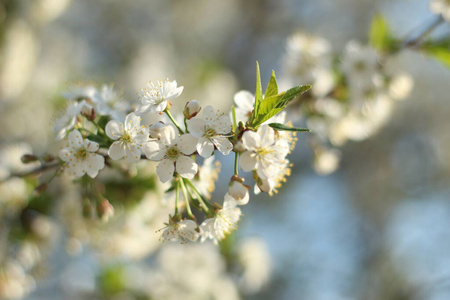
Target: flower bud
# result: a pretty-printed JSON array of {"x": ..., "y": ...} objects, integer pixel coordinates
[
  {"x": 239, "y": 192},
  {"x": 105, "y": 210},
  {"x": 89, "y": 112},
  {"x": 191, "y": 109},
  {"x": 156, "y": 129},
  {"x": 239, "y": 147},
  {"x": 28, "y": 158},
  {"x": 40, "y": 189}
]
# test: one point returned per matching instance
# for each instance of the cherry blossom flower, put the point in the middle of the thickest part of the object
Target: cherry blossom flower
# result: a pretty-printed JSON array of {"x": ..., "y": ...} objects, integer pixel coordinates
[
  {"x": 80, "y": 157},
  {"x": 244, "y": 109},
  {"x": 239, "y": 192},
  {"x": 183, "y": 231},
  {"x": 211, "y": 131},
  {"x": 110, "y": 103},
  {"x": 130, "y": 137},
  {"x": 262, "y": 153},
  {"x": 223, "y": 223},
  {"x": 155, "y": 98},
  {"x": 69, "y": 119},
  {"x": 172, "y": 151}
]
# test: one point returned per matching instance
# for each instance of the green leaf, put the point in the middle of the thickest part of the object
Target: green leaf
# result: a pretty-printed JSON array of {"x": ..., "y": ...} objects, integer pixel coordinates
[
  {"x": 380, "y": 35},
  {"x": 258, "y": 92},
  {"x": 272, "y": 87},
  {"x": 440, "y": 52},
  {"x": 282, "y": 127},
  {"x": 291, "y": 94},
  {"x": 98, "y": 139},
  {"x": 233, "y": 113},
  {"x": 103, "y": 121}
]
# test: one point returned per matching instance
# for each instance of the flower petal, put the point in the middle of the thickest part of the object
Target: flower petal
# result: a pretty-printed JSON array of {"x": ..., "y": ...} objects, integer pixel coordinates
[
  {"x": 247, "y": 161},
  {"x": 169, "y": 135},
  {"x": 154, "y": 150},
  {"x": 132, "y": 155},
  {"x": 186, "y": 167},
  {"x": 187, "y": 143},
  {"x": 222, "y": 124},
  {"x": 196, "y": 127},
  {"x": 267, "y": 135},
  {"x": 251, "y": 140},
  {"x": 116, "y": 151},
  {"x": 113, "y": 129},
  {"x": 165, "y": 170},
  {"x": 244, "y": 99},
  {"x": 91, "y": 146},
  {"x": 75, "y": 139},
  {"x": 223, "y": 145},
  {"x": 205, "y": 147},
  {"x": 209, "y": 114},
  {"x": 132, "y": 122}
]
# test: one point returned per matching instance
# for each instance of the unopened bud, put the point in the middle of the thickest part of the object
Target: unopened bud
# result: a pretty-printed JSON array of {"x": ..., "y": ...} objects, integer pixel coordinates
[
  {"x": 156, "y": 129},
  {"x": 89, "y": 112},
  {"x": 28, "y": 158},
  {"x": 105, "y": 210},
  {"x": 40, "y": 189},
  {"x": 48, "y": 158},
  {"x": 239, "y": 192},
  {"x": 191, "y": 109},
  {"x": 239, "y": 147}
]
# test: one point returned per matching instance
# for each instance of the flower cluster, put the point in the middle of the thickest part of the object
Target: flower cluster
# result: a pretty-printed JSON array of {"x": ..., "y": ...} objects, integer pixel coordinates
[
  {"x": 95, "y": 133},
  {"x": 352, "y": 98}
]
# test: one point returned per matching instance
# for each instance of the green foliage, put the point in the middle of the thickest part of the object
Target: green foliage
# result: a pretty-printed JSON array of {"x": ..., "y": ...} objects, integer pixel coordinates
[
  {"x": 273, "y": 102},
  {"x": 439, "y": 51},
  {"x": 233, "y": 112},
  {"x": 101, "y": 140},
  {"x": 103, "y": 121},
  {"x": 282, "y": 127},
  {"x": 381, "y": 37},
  {"x": 112, "y": 280},
  {"x": 272, "y": 87}
]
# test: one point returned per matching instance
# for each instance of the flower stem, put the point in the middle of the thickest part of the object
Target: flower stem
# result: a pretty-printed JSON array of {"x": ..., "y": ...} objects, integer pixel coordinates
[
  {"x": 177, "y": 194},
  {"x": 173, "y": 121},
  {"x": 202, "y": 201},
  {"x": 186, "y": 200},
  {"x": 236, "y": 169},
  {"x": 418, "y": 39},
  {"x": 100, "y": 129}
]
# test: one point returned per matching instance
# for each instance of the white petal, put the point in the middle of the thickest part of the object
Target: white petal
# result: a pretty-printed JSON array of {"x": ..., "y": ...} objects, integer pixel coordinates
[
  {"x": 222, "y": 124},
  {"x": 165, "y": 170},
  {"x": 132, "y": 121},
  {"x": 91, "y": 146},
  {"x": 175, "y": 92},
  {"x": 132, "y": 155},
  {"x": 65, "y": 155},
  {"x": 187, "y": 143},
  {"x": 154, "y": 150},
  {"x": 116, "y": 151},
  {"x": 142, "y": 109},
  {"x": 223, "y": 145},
  {"x": 196, "y": 127},
  {"x": 205, "y": 147},
  {"x": 239, "y": 192},
  {"x": 267, "y": 135},
  {"x": 159, "y": 107},
  {"x": 169, "y": 135},
  {"x": 186, "y": 167},
  {"x": 113, "y": 129},
  {"x": 75, "y": 138},
  {"x": 209, "y": 114},
  {"x": 251, "y": 140},
  {"x": 245, "y": 100},
  {"x": 247, "y": 161}
]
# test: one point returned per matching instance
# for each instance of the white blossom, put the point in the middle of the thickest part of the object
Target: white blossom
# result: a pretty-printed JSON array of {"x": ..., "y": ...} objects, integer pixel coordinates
[
  {"x": 156, "y": 97},
  {"x": 262, "y": 153},
  {"x": 109, "y": 102},
  {"x": 211, "y": 131},
  {"x": 79, "y": 154},
  {"x": 244, "y": 101},
  {"x": 173, "y": 153},
  {"x": 208, "y": 174},
  {"x": 441, "y": 7},
  {"x": 191, "y": 109},
  {"x": 183, "y": 231},
  {"x": 223, "y": 223},
  {"x": 129, "y": 138},
  {"x": 239, "y": 192},
  {"x": 68, "y": 120}
]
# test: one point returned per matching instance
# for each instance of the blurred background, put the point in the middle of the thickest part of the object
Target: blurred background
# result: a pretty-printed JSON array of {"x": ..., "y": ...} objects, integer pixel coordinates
[{"x": 377, "y": 228}]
